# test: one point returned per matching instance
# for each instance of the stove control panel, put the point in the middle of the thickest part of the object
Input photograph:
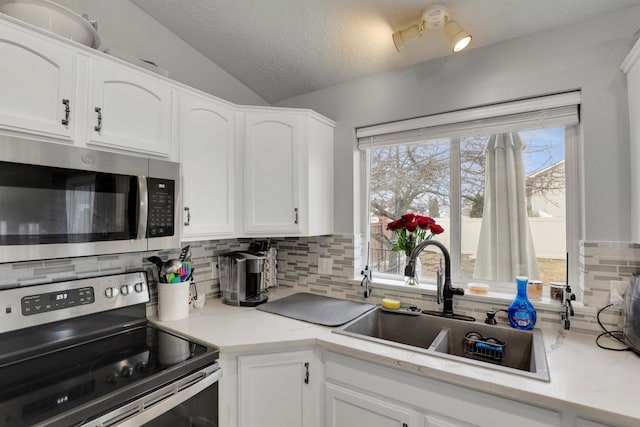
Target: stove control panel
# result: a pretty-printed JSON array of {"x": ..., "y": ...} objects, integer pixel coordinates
[
  {"x": 50, "y": 301},
  {"x": 27, "y": 306}
]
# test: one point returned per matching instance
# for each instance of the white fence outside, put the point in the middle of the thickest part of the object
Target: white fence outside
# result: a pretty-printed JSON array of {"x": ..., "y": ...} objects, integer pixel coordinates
[{"x": 549, "y": 236}]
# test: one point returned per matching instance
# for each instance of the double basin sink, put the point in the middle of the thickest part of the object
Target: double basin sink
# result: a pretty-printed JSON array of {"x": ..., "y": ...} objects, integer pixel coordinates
[{"x": 491, "y": 346}]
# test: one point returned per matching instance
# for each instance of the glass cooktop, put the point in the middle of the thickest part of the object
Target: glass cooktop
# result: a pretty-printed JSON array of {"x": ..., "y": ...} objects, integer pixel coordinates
[{"x": 88, "y": 379}]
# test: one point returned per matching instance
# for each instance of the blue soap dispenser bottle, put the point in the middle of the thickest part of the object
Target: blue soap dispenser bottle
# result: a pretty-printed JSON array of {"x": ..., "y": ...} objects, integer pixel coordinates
[{"x": 522, "y": 314}]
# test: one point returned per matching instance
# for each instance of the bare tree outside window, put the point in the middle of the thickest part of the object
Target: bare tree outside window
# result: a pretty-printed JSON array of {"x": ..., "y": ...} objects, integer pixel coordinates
[{"x": 416, "y": 178}]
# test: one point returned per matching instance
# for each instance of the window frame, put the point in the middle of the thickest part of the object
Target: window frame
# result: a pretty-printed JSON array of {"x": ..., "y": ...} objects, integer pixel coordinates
[{"x": 574, "y": 188}]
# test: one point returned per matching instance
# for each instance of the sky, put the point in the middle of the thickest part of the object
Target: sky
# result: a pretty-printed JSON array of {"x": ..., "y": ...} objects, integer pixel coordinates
[{"x": 544, "y": 147}]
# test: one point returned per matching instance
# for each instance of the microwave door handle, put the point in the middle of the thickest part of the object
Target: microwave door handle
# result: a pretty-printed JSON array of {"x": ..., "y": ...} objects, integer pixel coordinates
[{"x": 143, "y": 207}]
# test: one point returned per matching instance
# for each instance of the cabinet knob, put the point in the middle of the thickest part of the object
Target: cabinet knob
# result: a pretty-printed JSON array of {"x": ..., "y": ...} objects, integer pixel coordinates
[
  {"x": 98, "y": 128},
  {"x": 67, "y": 112},
  {"x": 188, "y": 211}
]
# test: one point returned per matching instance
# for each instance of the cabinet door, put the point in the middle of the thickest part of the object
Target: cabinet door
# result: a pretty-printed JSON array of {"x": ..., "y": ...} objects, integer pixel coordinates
[
  {"x": 271, "y": 170},
  {"x": 348, "y": 408},
  {"x": 129, "y": 110},
  {"x": 277, "y": 389},
  {"x": 207, "y": 144},
  {"x": 37, "y": 77}
]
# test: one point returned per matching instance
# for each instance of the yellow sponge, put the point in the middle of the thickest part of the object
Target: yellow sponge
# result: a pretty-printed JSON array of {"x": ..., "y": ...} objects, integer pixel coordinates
[{"x": 391, "y": 304}]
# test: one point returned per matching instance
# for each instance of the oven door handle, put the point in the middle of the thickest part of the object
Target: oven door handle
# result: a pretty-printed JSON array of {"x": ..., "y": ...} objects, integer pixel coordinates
[
  {"x": 143, "y": 207},
  {"x": 160, "y": 401}
]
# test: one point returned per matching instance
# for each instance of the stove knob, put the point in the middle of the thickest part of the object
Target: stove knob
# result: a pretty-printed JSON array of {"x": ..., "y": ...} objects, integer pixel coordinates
[
  {"x": 139, "y": 287},
  {"x": 127, "y": 371},
  {"x": 126, "y": 289},
  {"x": 142, "y": 366},
  {"x": 111, "y": 292},
  {"x": 112, "y": 378}
]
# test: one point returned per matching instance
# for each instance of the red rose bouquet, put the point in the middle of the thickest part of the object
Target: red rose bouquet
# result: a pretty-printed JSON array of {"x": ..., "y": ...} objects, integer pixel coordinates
[{"x": 412, "y": 229}]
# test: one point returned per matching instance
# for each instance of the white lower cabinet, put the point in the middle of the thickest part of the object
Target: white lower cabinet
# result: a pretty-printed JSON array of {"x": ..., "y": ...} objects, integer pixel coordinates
[
  {"x": 271, "y": 390},
  {"x": 348, "y": 408},
  {"x": 390, "y": 397},
  {"x": 279, "y": 389}
]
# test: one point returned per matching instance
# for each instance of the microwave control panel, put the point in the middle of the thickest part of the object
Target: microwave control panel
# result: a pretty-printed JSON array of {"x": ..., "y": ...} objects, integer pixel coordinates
[{"x": 160, "y": 220}]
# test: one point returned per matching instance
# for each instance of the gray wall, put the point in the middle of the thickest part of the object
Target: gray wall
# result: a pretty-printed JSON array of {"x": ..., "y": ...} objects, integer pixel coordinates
[
  {"x": 124, "y": 27},
  {"x": 583, "y": 56}
]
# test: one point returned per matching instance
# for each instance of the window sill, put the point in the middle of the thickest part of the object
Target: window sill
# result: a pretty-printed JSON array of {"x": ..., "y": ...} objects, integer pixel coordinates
[{"x": 491, "y": 298}]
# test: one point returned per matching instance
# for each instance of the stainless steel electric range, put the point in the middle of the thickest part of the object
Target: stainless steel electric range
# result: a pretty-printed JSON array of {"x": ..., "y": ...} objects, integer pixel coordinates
[{"x": 81, "y": 353}]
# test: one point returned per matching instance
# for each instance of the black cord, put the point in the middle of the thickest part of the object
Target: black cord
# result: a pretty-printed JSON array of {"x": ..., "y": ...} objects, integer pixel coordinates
[{"x": 616, "y": 335}]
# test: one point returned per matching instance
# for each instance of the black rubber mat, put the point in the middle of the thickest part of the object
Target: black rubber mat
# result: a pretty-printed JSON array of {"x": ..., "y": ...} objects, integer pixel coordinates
[{"x": 317, "y": 309}]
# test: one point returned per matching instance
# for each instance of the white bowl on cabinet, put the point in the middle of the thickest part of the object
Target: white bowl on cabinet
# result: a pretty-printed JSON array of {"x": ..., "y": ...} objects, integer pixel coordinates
[{"x": 52, "y": 17}]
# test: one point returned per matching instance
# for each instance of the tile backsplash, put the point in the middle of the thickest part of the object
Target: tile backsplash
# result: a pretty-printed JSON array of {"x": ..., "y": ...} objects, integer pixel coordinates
[{"x": 298, "y": 267}]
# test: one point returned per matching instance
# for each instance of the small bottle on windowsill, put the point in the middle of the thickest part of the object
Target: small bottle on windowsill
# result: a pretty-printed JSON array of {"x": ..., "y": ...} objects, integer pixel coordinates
[{"x": 522, "y": 314}]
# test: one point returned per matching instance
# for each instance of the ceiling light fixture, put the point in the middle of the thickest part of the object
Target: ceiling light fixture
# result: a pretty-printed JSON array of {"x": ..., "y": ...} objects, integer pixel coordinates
[{"x": 434, "y": 17}]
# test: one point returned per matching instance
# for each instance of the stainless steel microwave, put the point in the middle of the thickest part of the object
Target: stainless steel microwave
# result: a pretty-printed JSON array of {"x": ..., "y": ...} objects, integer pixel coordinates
[{"x": 61, "y": 201}]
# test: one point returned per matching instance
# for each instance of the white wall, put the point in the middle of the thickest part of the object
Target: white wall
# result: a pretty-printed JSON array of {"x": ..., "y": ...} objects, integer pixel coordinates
[
  {"x": 583, "y": 56},
  {"x": 125, "y": 27}
]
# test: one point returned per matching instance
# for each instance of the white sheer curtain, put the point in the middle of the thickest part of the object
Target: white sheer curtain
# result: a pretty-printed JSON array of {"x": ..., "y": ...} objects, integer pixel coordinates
[{"x": 505, "y": 249}]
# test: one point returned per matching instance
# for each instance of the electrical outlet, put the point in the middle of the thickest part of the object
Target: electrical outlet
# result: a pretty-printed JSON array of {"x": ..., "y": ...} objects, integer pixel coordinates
[{"x": 325, "y": 266}]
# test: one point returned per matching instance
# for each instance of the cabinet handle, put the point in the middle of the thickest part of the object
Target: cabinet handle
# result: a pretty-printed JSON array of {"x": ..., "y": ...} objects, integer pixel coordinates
[
  {"x": 67, "y": 112},
  {"x": 296, "y": 211},
  {"x": 99, "y": 127},
  {"x": 306, "y": 375},
  {"x": 405, "y": 425},
  {"x": 188, "y": 211}
]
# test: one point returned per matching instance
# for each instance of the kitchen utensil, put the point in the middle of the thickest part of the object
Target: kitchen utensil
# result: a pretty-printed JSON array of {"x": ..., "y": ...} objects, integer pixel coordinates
[
  {"x": 171, "y": 266},
  {"x": 184, "y": 253},
  {"x": 157, "y": 261}
]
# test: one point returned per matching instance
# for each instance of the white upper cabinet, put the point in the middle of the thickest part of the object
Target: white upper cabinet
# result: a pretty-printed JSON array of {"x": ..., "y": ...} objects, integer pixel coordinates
[
  {"x": 208, "y": 156},
  {"x": 271, "y": 170},
  {"x": 288, "y": 172},
  {"x": 37, "y": 84},
  {"x": 131, "y": 110}
]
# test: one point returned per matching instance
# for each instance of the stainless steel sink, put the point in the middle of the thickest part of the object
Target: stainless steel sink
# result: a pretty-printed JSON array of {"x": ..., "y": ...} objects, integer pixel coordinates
[{"x": 495, "y": 347}]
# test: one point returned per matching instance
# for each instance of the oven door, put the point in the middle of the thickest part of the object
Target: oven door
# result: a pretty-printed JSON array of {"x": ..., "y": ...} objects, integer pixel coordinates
[{"x": 189, "y": 402}]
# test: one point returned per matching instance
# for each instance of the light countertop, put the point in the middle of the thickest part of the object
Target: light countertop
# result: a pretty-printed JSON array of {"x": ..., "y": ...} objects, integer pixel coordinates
[{"x": 592, "y": 382}]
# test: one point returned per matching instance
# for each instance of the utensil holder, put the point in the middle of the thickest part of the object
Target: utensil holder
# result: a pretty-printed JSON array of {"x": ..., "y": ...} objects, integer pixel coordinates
[{"x": 173, "y": 301}]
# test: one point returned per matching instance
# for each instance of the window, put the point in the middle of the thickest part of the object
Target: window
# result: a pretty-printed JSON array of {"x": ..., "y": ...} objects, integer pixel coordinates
[{"x": 502, "y": 186}]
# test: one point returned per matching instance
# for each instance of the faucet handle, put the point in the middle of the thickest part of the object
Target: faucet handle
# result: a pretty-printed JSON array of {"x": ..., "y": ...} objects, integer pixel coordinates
[
  {"x": 458, "y": 291},
  {"x": 439, "y": 280}
]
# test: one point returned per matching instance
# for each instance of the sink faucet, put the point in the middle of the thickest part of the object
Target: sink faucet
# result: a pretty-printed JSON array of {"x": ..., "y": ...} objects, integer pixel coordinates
[
  {"x": 448, "y": 291},
  {"x": 568, "y": 307}
]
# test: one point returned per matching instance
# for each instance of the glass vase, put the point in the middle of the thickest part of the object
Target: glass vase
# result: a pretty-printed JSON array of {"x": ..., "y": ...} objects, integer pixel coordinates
[{"x": 414, "y": 281}]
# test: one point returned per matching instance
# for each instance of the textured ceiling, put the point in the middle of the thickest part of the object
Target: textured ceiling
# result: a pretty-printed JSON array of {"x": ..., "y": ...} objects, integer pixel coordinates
[{"x": 284, "y": 48}]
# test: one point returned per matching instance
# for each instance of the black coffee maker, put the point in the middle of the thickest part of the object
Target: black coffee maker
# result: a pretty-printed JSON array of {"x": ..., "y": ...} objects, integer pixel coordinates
[{"x": 241, "y": 279}]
